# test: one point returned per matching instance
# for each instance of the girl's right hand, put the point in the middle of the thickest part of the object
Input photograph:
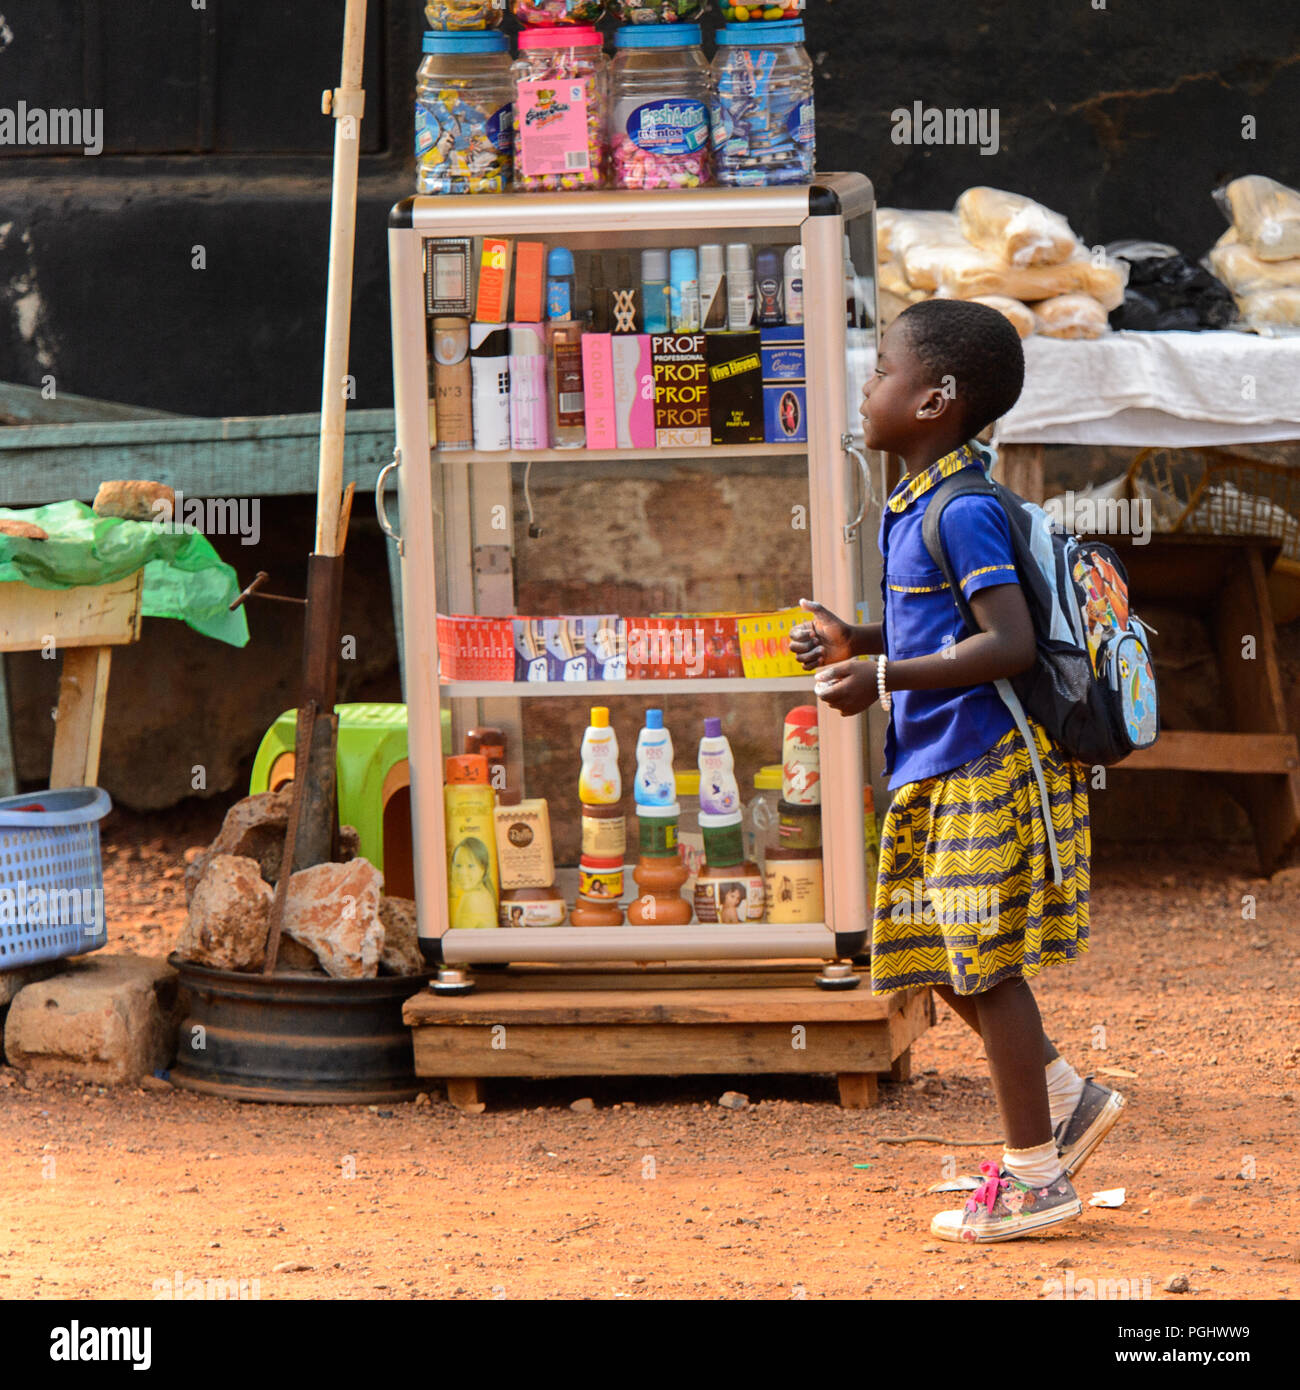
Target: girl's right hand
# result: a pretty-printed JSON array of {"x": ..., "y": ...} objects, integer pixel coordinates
[{"x": 823, "y": 641}]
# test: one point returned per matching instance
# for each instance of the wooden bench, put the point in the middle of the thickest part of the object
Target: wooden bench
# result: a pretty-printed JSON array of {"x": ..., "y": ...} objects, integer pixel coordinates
[{"x": 724, "y": 1018}]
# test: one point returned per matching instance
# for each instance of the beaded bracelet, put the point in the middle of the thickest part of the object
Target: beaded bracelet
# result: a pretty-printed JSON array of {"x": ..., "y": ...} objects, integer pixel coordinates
[{"x": 886, "y": 700}]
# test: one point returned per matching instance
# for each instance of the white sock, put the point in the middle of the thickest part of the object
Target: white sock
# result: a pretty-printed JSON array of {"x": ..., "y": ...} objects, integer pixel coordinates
[
  {"x": 1064, "y": 1087},
  {"x": 1037, "y": 1166}
]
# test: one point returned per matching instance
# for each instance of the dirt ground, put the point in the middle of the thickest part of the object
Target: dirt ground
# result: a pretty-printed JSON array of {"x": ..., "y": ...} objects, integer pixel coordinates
[{"x": 660, "y": 1192}]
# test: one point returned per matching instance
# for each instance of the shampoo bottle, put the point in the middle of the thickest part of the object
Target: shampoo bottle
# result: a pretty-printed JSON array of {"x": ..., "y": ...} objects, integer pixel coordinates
[
  {"x": 655, "y": 785},
  {"x": 599, "y": 783},
  {"x": 719, "y": 794}
]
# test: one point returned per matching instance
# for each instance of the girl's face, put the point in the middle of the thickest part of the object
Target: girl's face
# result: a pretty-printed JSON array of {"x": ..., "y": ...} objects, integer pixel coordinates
[
  {"x": 732, "y": 897},
  {"x": 466, "y": 871},
  {"x": 893, "y": 394}
]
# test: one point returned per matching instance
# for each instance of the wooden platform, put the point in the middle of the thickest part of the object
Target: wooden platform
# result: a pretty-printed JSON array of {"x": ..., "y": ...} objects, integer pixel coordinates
[{"x": 715, "y": 1019}]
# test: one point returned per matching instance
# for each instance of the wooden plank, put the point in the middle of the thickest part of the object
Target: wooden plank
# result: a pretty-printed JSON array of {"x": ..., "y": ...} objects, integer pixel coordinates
[
  {"x": 1187, "y": 750},
  {"x": 29, "y": 405},
  {"x": 1020, "y": 468},
  {"x": 858, "y": 1090},
  {"x": 89, "y": 615},
  {"x": 1243, "y": 620},
  {"x": 901, "y": 1071},
  {"x": 465, "y": 1093},
  {"x": 910, "y": 1022},
  {"x": 8, "y": 776},
  {"x": 807, "y": 1005},
  {"x": 255, "y": 456},
  {"x": 79, "y": 729},
  {"x": 648, "y": 1049}
]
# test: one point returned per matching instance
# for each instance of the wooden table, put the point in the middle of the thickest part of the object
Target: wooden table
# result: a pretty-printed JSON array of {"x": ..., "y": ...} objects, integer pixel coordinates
[
  {"x": 1223, "y": 580},
  {"x": 83, "y": 625},
  {"x": 724, "y": 1018}
]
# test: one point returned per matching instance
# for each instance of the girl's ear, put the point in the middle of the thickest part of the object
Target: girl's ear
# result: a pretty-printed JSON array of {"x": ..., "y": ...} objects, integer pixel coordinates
[{"x": 934, "y": 404}]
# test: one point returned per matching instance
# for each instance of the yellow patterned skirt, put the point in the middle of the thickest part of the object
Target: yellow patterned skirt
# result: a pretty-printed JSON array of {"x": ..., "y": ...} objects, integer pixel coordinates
[{"x": 965, "y": 896}]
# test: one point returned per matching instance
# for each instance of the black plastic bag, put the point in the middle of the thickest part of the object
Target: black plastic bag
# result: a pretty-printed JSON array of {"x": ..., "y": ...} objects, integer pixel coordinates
[{"x": 1169, "y": 291}]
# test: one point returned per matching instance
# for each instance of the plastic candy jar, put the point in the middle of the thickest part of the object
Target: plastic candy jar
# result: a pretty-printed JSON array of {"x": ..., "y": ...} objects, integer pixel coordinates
[
  {"x": 560, "y": 106},
  {"x": 659, "y": 115},
  {"x": 656, "y": 11},
  {"x": 551, "y": 12},
  {"x": 779, "y": 9},
  {"x": 464, "y": 130},
  {"x": 762, "y": 107},
  {"x": 464, "y": 14}
]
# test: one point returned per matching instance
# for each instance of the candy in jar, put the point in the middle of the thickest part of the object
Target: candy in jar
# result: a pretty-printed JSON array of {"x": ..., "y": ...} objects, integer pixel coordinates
[
  {"x": 464, "y": 131},
  {"x": 559, "y": 110},
  {"x": 659, "y": 119},
  {"x": 551, "y": 12},
  {"x": 464, "y": 14},
  {"x": 779, "y": 9},
  {"x": 762, "y": 106},
  {"x": 656, "y": 11}
]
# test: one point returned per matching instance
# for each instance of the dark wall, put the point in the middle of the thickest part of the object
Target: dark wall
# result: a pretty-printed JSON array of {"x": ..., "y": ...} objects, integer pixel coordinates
[{"x": 1124, "y": 118}]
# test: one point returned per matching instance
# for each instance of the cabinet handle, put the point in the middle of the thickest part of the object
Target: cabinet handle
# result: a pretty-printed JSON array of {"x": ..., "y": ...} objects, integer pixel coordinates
[
  {"x": 379, "y": 501},
  {"x": 852, "y": 528}
]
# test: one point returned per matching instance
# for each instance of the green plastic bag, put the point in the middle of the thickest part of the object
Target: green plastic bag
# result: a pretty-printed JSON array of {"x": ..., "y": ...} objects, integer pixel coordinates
[{"x": 184, "y": 577}]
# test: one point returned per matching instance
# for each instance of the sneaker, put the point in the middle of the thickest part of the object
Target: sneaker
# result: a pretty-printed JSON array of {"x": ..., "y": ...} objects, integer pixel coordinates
[
  {"x": 1004, "y": 1208},
  {"x": 1093, "y": 1118}
]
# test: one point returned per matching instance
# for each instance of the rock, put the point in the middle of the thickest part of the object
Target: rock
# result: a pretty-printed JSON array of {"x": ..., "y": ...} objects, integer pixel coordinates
[
  {"x": 349, "y": 843},
  {"x": 108, "y": 1019},
  {"x": 135, "y": 500},
  {"x": 290, "y": 1267},
  {"x": 1198, "y": 1199},
  {"x": 1176, "y": 1283},
  {"x": 22, "y": 530},
  {"x": 296, "y": 958},
  {"x": 334, "y": 910},
  {"x": 422, "y": 1100},
  {"x": 733, "y": 1100},
  {"x": 931, "y": 1249},
  {"x": 228, "y": 917},
  {"x": 583, "y": 1106},
  {"x": 151, "y": 1082},
  {"x": 254, "y": 828},
  {"x": 401, "y": 955}
]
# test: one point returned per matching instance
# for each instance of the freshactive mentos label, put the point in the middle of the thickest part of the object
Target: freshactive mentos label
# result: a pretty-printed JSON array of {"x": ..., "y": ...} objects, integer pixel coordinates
[
  {"x": 802, "y": 123},
  {"x": 673, "y": 127}
]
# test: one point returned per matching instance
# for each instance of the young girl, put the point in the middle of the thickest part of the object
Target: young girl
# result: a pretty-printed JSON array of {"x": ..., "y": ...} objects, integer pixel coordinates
[{"x": 965, "y": 900}]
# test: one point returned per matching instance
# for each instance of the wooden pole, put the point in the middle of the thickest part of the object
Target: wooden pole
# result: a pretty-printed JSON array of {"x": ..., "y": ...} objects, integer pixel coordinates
[
  {"x": 346, "y": 103},
  {"x": 314, "y": 840}
]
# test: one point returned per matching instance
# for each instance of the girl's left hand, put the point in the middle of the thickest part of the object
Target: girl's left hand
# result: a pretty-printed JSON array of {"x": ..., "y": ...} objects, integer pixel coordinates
[{"x": 849, "y": 687}]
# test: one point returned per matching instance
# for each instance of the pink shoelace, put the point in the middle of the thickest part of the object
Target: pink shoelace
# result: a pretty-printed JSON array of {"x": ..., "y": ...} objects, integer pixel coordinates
[{"x": 987, "y": 1192}]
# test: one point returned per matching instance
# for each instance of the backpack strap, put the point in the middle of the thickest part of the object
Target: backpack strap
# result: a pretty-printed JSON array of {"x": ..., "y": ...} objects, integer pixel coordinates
[{"x": 969, "y": 482}]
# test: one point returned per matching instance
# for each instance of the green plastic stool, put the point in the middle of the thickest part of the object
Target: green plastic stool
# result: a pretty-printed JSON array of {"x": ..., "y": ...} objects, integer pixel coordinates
[{"x": 374, "y": 780}]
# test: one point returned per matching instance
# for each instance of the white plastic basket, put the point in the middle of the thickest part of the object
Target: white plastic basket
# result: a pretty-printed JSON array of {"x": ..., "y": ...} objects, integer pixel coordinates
[{"x": 51, "y": 875}]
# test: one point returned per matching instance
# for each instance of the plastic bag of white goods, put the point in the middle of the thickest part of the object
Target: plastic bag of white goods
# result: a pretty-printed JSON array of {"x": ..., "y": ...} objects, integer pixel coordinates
[
  {"x": 1244, "y": 272},
  {"x": 885, "y": 220},
  {"x": 893, "y": 281},
  {"x": 1022, "y": 232},
  {"x": 1271, "y": 313},
  {"x": 971, "y": 273},
  {"x": 1021, "y": 315},
  {"x": 1266, "y": 215},
  {"x": 1070, "y": 316},
  {"x": 920, "y": 240}
]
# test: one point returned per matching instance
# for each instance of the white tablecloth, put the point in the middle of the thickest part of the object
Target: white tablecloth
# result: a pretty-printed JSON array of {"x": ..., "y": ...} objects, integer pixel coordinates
[{"x": 1174, "y": 389}]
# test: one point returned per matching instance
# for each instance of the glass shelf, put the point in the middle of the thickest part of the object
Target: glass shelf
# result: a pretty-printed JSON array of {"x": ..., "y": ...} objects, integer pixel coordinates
[
  {"x": 524, "y": 690},
  {"x": 615, "y": 455}
]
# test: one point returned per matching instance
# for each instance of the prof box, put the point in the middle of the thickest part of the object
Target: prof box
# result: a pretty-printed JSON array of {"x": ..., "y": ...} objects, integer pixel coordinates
[{"x": 785, "y": 385}]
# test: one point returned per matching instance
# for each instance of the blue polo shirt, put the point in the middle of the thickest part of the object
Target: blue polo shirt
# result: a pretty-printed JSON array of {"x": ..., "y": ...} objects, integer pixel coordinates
[{"x": 934, "y": 731}]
